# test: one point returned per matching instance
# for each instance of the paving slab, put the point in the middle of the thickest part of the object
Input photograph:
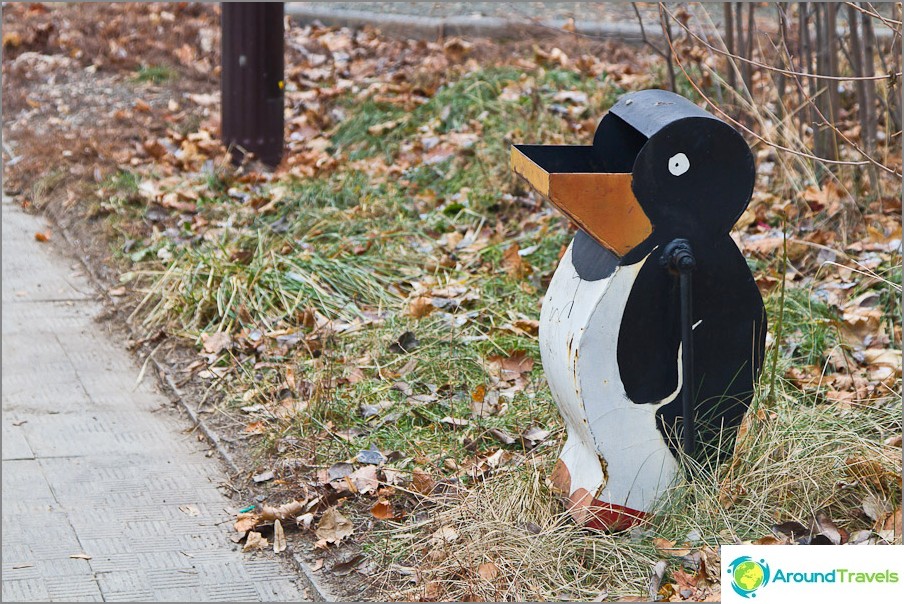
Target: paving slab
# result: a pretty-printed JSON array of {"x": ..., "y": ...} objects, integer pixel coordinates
[{"x": 95, "y": 462}]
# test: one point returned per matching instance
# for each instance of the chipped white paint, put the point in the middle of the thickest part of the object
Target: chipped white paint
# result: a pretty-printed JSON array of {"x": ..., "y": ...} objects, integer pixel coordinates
[
  {"x": 579, "y": 325},
  {"x": 679, "y": 164}
]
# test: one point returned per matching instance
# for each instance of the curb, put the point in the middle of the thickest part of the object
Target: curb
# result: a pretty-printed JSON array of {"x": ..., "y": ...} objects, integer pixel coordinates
[
  {"x": 437, "y": 28},
  {"x": 318, "y": 592},
  {"x": 434, "y": 28},
  {"x": 195, "y": 418}
]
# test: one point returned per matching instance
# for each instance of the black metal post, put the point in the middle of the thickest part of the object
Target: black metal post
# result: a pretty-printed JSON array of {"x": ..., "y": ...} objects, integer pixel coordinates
[
  {"x": 687, "y": 362},
  {"x": 252, "y": 82},
  {"x": 678, "y": 257}
]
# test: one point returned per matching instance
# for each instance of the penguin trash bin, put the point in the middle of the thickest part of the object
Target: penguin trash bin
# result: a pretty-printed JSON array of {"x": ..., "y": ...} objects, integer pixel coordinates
[{"x": 652, "y": 331}]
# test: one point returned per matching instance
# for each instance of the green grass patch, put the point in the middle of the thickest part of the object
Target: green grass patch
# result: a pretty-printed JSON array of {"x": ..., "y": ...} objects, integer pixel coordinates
[{"x": 154, "y": 74}]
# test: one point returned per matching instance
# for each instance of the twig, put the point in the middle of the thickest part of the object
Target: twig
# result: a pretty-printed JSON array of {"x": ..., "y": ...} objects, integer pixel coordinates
[
  {"x": 781, "y": 315},
  {"x": 666, "y": 56},
  {"x": 891, "y": 23},
  {"x": 667, "y": 32},
  {"x": 144, "y": 367},
  {"x": 729, "y": 39}
]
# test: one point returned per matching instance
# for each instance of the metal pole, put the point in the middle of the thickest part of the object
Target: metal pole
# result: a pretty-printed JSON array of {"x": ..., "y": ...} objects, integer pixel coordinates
[
  {"x": 252, "y": 83},
  {"x": 687, "y": 361},
  {"x": 678, "y": 257}
]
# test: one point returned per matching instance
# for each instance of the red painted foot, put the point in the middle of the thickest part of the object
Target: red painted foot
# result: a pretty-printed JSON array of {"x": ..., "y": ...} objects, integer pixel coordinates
[{"x": 601, "y": 515}]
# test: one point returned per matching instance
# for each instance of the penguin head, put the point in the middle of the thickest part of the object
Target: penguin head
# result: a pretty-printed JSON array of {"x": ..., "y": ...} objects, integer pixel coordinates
[
  {"x": 693, "y": 178},
  {"x": 691, "y": 173},
  {"x": 660, "y": 168}
]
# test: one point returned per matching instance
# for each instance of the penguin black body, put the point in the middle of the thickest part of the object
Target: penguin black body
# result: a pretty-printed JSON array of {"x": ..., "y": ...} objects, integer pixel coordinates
[
  {"x": 697, "y": 197},
  {"x": 728, "y": 345},
  {"x": 667, "y": 171}
]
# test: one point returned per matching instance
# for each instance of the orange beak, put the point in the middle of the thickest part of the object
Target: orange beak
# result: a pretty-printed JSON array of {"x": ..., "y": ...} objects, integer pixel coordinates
[{"x": 603, "y": 205}]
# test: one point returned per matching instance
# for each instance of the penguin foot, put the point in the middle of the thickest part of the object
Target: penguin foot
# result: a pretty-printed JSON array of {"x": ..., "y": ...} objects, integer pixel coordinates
[
  {"x": 601, "y": 515},
  {"x": 591, "y": 512}
]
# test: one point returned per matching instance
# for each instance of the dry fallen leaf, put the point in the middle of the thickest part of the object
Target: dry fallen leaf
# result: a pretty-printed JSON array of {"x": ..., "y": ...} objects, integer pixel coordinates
[
  {"x": 770, "y": 540},
  {"x": 489, "y": 404},
  {"x": 11, "y": 39},
  {"x": 887, "y": 357},
  {"x": 246, "y": 521},
  {"x": 365, "y": 479},
  {"x": 488, "y": 571},
  {"x": 667, "y": 548},
  {"x": 254, "y": 541},
  {"x": 287, "y": 511},
  {"x": 479, "y": 394},
  {"x": 264, "y": 476},
  {"x": 877, "y": 508},
  {"x": 870, "y": 473},
  {"x": 215, "y": 343},
  {"x": 255, "y": 428},
  {"x": 790, "y": 530},
  {"x": 422, "y": 482},
  {"x": 383, "y": 128},
  {"x": 454, "y": 422},
  {"x": 421, "y": 307},
  {"x": 457, "y": 49},
  {"x": 514, "y": 367},
  {"x": 279, "y": 537},
  {"x": 861, "y": 319},
  {"x": 445, "y": 534},
  {"x": 80, "y": 556},
  {"x": 433, "y": 591},
  {"x": 333, "y": 527},
  {"x": 529, "y": 326},
  {"x": 656, "y": 578},
  {"x": 382, "y": 510},
  {"x": 305, "y": 520},
  {"x": 892, "y": 524},
  {"x": 533, "y": 436},
  {"x": 515, "y": 266},
  {"x": 823, "y": 525}
]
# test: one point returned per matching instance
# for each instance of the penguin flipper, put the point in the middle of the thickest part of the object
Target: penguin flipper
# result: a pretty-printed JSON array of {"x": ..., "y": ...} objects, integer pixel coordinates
[{"x": 649, "y": 335}]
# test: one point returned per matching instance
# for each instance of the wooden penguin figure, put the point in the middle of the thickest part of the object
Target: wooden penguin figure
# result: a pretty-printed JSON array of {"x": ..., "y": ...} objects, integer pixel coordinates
[{"x": 652, "y": 330}]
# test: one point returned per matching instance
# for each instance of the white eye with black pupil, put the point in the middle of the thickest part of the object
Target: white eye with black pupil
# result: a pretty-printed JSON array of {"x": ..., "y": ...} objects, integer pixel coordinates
[{"x": 679, "y": 164}]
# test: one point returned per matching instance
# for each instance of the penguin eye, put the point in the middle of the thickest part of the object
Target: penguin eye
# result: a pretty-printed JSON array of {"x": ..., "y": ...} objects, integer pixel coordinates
[{"x": 679, "y": 164}]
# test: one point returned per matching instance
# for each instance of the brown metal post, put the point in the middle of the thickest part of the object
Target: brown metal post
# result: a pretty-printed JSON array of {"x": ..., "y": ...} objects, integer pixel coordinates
[{"x": 252, "y": 82}]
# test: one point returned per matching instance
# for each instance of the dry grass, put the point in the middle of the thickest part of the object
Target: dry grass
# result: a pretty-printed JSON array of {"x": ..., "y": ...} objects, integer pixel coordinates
[
  {"x": 509, "y": 539},
  {"x": 792, "y": 462}
]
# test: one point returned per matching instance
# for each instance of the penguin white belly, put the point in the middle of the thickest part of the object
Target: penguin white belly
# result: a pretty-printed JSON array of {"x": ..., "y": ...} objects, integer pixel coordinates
[{"x": 614, "y": 453}]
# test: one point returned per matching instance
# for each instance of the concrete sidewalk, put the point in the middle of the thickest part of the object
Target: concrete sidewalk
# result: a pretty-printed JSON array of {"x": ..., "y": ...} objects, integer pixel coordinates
[{"x": 107, "y": 493}]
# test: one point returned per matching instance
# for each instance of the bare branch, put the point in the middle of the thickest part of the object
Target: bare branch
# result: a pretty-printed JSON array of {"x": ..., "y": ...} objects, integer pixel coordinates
[{"x": 892, "y": 24}]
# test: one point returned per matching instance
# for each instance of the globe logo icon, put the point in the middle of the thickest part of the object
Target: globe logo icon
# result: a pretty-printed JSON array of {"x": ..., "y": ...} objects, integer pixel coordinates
[{"x": 748, "y": 575}]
